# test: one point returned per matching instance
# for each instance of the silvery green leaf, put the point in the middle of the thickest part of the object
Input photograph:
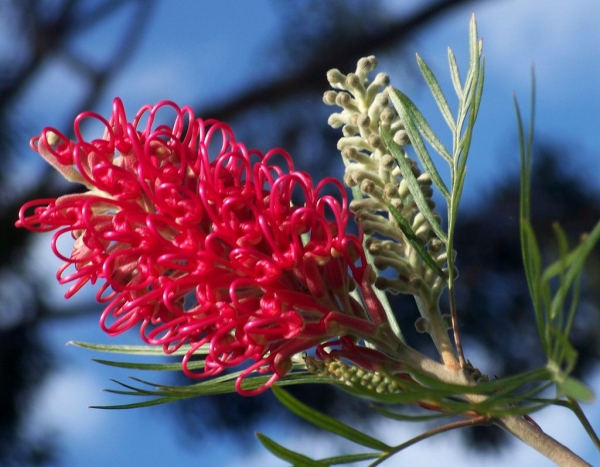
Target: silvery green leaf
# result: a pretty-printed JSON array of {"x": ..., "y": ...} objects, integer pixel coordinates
[
  {"x": 414, "y": 241},
  {"x": 415, "y": 125},
  {"x": 437, "y": 93},
  {"x": 413, "y": 185}
]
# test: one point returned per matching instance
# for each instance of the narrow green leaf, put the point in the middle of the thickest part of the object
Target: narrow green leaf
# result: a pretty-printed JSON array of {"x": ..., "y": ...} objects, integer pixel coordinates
[
  {"x": 579, "y": 253},
  {"x": 473, "y": 43},
  {"x": 413, "y": 240},
  {"x": 469, "y": 108},
  {"x": 417, "y": 120},
  {"x": 564, "y": 357},
  {"x": 532, "y": 260},
  {"x": 575, "y": 407},
  {"x": 135, "y": 391},
  {"x": 413, "y": 121},
  {"x": 568, "y": 326},
  {"x": 220, "y": 385},
  {"x": 529, "y": 247},
  {"x": 136, "y": 349},
  {"x": 350, "y": 458},
  {"x": 479, "y": 88},
  {"x": 474, "y": 55},
  {"x": 455, "y": 74},
  {"x": 327, "y": 423},
  {"x": 575, "y": 389},
  {"x": 297, "y": 460},
  {"x": 151, "y": 366},
  {"x": 136, "y": 405},
  {"x": 560, "y": 296},
  {"x": 437, "y": 93},
  {"x": 407, "y": 417},
  {"x": 413, "y": 185},
  {"x": 459, "y": 169}
]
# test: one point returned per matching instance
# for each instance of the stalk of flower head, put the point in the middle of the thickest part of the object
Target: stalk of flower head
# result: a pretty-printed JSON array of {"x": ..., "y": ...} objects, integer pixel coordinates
[{"x": 198, "y": 241}]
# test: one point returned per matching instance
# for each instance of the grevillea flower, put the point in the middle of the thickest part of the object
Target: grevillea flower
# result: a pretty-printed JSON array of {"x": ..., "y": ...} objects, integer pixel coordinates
[{"x": 197, "y": 240}]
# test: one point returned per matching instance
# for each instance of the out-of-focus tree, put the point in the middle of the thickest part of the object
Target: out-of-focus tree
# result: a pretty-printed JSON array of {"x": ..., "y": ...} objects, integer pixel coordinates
[{"x": 39, "y": 34}]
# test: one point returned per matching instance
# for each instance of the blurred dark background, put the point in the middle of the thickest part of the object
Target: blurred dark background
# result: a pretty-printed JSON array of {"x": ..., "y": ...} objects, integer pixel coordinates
[{"x": 58, "y": 58}]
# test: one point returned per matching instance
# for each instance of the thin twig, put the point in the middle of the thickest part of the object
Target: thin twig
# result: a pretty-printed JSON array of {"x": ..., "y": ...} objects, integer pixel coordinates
[
  {"x": 454, "y": 318},
  {"x": 479, "y": 420}
]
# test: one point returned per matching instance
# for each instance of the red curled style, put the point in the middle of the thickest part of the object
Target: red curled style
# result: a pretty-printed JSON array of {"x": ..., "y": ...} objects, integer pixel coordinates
[{"x": 196, "y": 240}]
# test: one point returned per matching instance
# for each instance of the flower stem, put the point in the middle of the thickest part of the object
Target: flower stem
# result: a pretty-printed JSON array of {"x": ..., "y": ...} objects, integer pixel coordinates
[
  {"x": 481, "y": 420},
  {"x": 541, "y": 442}
]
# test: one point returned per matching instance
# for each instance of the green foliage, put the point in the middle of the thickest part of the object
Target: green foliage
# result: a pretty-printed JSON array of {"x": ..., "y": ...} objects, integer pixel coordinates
[
  {"x": 161, "y": 393},
  {"x": 469, "y": 99},
  {"x": 554, "y": 290}
]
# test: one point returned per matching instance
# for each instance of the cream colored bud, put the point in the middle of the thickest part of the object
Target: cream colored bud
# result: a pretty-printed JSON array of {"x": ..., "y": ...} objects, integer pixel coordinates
[
  {"x": 366, "y": 65},
  {"x": 363, "y": 121},
  {"x": 349, "y": 180},
  {"x": 442, "y": 257},
  {"x": 386, "y": 161},
  {"x": 349, "y": 130},
  {"x": 401, "y": 138},
  {"x": 349, "y": 152},
  {"x": 336, "y": 78},
  {"x": 329, "y": 97},
  {"x": 423, "y": 233},
  {"x": 382, "y": 80},
  {"x": 355, "y": 141},
  {"x": 336, "y": 120},
  {"x": 378, "y": 105},
  {"x": 424, "y": 179},
  {"x": 344, "y": 100},
  {"x": 375, "y": 141},
  {"x": 418, "y": 220},
  {"x": 388, "y": 115},
  {"x": 353, "y": 82},
  {"x": 403, "y": 190},
  {"x": 390, "y": 190},
  {"x": 366, "y": 203},
  {"x": 367, "y": 186}
]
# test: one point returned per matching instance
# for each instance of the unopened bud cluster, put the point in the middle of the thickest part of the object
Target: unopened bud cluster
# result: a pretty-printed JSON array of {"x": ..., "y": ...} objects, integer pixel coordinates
[
  {"x": 370, "y": 166},
  {"x": 353, "y": 375}
]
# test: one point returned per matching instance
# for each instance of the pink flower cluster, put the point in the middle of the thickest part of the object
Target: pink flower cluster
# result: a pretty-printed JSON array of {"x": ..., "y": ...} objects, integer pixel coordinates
[{"x": 201, "y": 241}]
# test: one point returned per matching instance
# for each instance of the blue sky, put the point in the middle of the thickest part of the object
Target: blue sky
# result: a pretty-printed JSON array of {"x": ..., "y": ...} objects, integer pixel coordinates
[{"x": 201, "y": 51}]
